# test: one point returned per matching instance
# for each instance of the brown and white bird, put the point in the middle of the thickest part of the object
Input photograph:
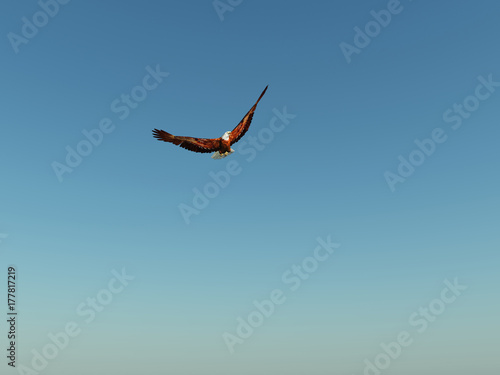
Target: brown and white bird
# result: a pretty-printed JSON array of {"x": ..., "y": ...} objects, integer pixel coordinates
[{"x": 221, "y": 147}]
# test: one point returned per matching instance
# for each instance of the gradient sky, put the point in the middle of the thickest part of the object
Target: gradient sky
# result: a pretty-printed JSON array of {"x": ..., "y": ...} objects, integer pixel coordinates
[{"x": 324, "y": 174}]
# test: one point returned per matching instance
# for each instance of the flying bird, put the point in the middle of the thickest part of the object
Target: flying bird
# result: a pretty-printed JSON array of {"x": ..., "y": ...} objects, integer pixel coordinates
[{"x": 221, "y": 147}]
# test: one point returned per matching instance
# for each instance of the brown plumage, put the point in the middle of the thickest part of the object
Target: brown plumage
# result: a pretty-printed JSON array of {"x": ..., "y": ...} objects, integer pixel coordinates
[{"x": 221, "y": 146}]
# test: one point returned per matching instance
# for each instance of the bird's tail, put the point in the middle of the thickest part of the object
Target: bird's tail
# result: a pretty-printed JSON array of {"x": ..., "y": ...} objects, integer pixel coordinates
[{"x": 217, "y": 155}]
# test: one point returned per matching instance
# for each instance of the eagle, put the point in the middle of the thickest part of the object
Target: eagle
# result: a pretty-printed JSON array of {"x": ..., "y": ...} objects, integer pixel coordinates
[{"x": 221, "y": 147}]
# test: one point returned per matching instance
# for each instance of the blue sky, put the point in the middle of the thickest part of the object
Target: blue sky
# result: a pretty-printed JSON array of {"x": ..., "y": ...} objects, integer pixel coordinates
[{"x": 342, "y": 167}]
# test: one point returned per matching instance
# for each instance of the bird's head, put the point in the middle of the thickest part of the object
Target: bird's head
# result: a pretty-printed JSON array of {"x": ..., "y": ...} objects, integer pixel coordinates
[{"x": 226, "y": 136}]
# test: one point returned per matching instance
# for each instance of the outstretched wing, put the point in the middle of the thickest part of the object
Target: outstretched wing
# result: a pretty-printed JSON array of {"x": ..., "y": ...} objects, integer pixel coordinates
[
  {"x": 189, "y": 143},
  {"x": 240, "y": 130}
]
